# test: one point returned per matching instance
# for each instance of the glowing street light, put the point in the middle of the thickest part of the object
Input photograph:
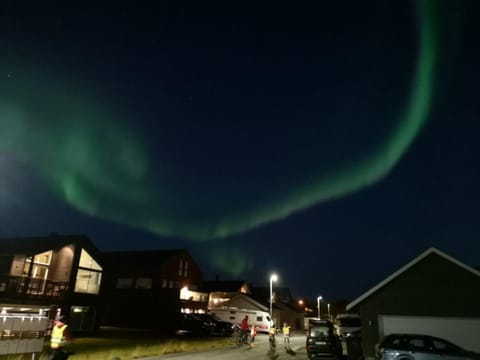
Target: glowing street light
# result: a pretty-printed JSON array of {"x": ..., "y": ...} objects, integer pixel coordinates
[
  {"x": 273, "y": 278},
  {"x": 318, "y": 305}
]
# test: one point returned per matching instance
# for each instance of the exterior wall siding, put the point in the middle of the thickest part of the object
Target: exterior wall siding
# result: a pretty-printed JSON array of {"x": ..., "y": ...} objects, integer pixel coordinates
[
  {"x": 61, "y": 266},
  {"x": 432, "y": 287}
]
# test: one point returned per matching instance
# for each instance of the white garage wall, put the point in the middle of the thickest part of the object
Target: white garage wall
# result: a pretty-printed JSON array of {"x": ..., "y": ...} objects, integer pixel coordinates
[{"x": 464, "y": 332}]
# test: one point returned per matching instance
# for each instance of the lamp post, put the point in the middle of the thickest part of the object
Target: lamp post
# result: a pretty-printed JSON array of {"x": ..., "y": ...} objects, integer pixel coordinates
[
  {"x": 273, "y": 278},
  {"x": 328, "y": 307},
  {"x": 318, "y": 305}
]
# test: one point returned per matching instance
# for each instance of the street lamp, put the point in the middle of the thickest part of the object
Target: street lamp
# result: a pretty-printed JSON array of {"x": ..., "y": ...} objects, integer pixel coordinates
[
  {"x": 318, "y": 305},
  {"x": 328, "y": 307},
  {"x": 273, "y": 278}
]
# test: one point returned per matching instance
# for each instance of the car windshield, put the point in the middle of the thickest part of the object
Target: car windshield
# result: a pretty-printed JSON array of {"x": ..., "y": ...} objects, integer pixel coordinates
[
  {"x": 215, "y": 317},
  {"x": 319, "y": 331}
]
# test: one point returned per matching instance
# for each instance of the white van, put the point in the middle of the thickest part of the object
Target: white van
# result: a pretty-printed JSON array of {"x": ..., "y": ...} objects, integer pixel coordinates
[
  {"x": 261, "y": 319},
  {"x": 347, "y": 324}
]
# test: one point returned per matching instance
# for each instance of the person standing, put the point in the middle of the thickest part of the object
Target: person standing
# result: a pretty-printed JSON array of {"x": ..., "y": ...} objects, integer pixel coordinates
[
  {"x": 286, "y": 335},
  {"x": 271, "y": 336},
  {"x": 253, "y": 333},
  {"x": 244, "y": 328},
  {"x": 59, "y": 338}
]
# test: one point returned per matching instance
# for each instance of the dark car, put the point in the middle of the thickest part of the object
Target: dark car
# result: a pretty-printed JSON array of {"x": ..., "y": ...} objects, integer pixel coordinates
[
  {"x": 322, "y": 342},
  {"x": 202, "y": 325},
  {"x": 217, "y": 327},
  {"x": 420, "y": 347}
]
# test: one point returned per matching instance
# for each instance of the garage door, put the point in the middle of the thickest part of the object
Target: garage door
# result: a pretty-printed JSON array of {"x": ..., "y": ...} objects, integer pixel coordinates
[{"x": 461, "y": 331}]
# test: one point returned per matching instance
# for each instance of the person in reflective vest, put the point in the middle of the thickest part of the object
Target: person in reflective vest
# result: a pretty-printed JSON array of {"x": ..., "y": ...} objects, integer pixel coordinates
[
  {"x": 286, "y": 334},
  {"x": 271, "y": 336},
  {"x": 272, "y": 330},
  {"x": 58, "y": 339}
]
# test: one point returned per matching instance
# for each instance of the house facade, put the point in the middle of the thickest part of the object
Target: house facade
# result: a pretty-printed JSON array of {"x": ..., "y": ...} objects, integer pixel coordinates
[
  {"x": 147, "y": 289},
  {"x": 52, "y": 274},
  {"x": 222, "y": 291},
  {"x": 284, "y": 308},
  {"x": 433, "y": 294}
]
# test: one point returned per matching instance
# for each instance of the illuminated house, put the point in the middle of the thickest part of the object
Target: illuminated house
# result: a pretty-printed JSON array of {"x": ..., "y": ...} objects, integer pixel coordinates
[
  {"x": 56, "y": 273},
  {"x": 222, "y": 291},
  {"x": 146, "y": 288}
]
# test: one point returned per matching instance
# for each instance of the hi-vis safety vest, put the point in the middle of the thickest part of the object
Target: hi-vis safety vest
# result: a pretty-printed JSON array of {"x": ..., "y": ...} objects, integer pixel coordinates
[
  {"x": 57, "y": 338},
  {"x": 286, "y": 330},
  {"x": 272, "y": 330}
]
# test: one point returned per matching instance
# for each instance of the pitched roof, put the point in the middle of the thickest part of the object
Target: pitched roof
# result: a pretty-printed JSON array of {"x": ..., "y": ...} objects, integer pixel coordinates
[
  {"x": 226, "y": 286},
  {"x": 262, "y": 294},
  {"x": 280, "y": 294},
  {"x": 408, "y": 266},
  {"x": 144, "y": 254},
  {"x": 140, "y": 259},
  {"x": 238, "y": 298},
  {"x": 38, "y": 244}
]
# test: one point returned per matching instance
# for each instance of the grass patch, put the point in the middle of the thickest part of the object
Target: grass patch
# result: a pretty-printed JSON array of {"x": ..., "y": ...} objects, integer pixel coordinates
[{"x": 130, "y": 345}]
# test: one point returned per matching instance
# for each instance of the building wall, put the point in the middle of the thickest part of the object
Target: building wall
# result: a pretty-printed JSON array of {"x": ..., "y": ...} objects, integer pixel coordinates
[
  {"x": 61, "y": 264},
  {"x": 17, "y": 264},
  {"x": 154, "y": 307},
  {"x": 432, "y": 287},
  {"x": 190, "y": 276}
]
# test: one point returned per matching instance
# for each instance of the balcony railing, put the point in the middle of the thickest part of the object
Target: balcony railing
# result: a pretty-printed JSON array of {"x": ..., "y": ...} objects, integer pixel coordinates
[{"x": 18, "y": 286}]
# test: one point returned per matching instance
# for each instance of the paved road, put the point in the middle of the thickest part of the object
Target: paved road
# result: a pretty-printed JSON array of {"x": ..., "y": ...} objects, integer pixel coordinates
[{"x": 259, "y": 351}]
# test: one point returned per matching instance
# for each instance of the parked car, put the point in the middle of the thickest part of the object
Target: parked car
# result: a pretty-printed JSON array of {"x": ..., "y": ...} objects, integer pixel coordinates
[
  {"x": 347, "y": 324},
  {"x": 322, "y": 341},
  {"x": 420, "y": 347},
  {"x": 218, "y": 327},
  {"x": 202, "y": 325}
]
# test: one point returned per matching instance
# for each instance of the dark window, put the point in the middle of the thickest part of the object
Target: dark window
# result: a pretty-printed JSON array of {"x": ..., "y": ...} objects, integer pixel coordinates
[
  {"x": 417, "y": 344},
  {"x": 143, "y": 283},
  {"x": 124, "y": 283},
  {"x": 444, "y": 347}
]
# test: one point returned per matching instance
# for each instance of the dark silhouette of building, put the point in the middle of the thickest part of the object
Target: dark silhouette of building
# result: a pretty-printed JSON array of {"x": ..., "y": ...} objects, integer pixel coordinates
[{"x": 147, "y": 289}]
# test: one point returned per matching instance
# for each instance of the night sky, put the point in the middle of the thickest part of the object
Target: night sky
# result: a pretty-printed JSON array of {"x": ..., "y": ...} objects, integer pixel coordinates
[{"x": 330, "y": 142}]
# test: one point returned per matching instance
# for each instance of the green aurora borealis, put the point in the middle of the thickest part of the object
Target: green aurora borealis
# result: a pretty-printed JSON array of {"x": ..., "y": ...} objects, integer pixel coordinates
[{"x": 102, "y": 168}]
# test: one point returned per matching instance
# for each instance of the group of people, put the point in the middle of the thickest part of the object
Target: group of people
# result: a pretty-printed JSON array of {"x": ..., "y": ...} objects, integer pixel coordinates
[{"x": 247, "y": 329}]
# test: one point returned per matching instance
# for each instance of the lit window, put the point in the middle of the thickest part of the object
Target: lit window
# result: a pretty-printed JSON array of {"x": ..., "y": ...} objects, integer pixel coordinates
[
  {"x": 89, "y": 275},
  {"x": 42, "y": 258},
  {"x": 87, "y": 262},
  {"x": 164, "y": 283},
  {"x": 88, "y": 281},
  {"x": 184, "y": 293}
]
